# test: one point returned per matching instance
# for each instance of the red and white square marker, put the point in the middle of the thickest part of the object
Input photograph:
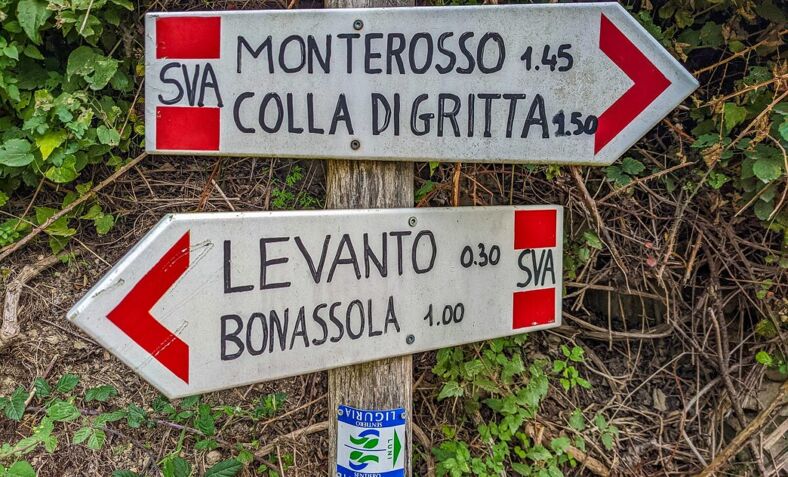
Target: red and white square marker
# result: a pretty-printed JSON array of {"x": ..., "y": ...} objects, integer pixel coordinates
[{"x": 188, "y": 40}]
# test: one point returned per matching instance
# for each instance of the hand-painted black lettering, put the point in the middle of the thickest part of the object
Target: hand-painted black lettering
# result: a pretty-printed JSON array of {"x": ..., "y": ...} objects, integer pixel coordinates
[
  {"x": 522, "y": 262},
  {"x": 209, "y": 83},
  {"x": 471, "y": 113},
  {"x": 314, "y": 54},
  {"x": 443, "y": 69},
  {"x": 481, "y": 52},
  {"x": 336, "y": 322},
  {"x": 233, "y": 337},
  {"x": 372, "y": 331},
  {"x": 317, "y": 318},
  {"x": 536, "y": 117},
  {"x": 414, "y": 47},
  {"x": 299, "y": 329},
  {"x": 191, "y": 83},
  {"x": 228, "y": 286},
  {"x": 281, "y": 330},
  {"x": 237, "y": 112},
  {"x": 451, "y": 115},
  {"x": 348, "y": 315},
  {"x": 265, "y": 262},
  {"x": 398, "y": 235},
  {"x": 377, "y": 101},
  {"x": 166, "y": 80},
  {"x": 301, "y": 54},
  {"x": 396, "y": 114},
  {"x": 280, "y": 113},
  {"x": 316, "y": 272},
  {"x": 263, "y": 338},
  {"x": 266, "y": 44},
  {"x": 369, "y": 256},
  {"x": 395, "y": 52},
  {"x": 310, "y": 115},
  {"x": 488, "y": 99},
  {"x": 391, "y": 316},
  {"x": 513, "y": 98},
  {"x": 468, "y": 55},
  {"x": 344, "y": 243},
  {"x": 425, "y": 117},
  {"x": 415, "y": 251},
  {"x": 370, "y": 54},
  {"x": 291, "y": 127},
  {"x": 341, "y": 113},
  {"x": 350, "y": 37}
]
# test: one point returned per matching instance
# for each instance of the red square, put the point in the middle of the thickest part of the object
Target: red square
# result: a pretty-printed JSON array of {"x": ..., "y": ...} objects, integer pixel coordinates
[
  {"x": 533, "y": 308},
  {"x": 181, "y": 128},
  {"x": 188, "y": 38},
  {"x": 534, "y": 228}
]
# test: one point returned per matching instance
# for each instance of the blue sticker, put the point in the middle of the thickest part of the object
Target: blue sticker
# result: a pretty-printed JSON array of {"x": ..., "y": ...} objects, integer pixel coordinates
[{"x": 370, "y": 443}]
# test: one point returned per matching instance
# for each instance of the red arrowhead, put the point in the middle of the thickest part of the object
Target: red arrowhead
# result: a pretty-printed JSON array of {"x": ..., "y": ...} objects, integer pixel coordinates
[
  {"x": 132, "y": 315},
  {"x": 649, "y": 83}
]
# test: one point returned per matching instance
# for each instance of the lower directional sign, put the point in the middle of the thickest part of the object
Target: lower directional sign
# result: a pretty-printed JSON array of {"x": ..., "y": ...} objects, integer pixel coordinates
[{"x": 212, "y": 301}]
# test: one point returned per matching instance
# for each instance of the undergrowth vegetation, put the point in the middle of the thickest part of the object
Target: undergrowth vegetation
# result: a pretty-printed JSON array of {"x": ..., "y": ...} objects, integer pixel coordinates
[{"x": 70, "y": 113}]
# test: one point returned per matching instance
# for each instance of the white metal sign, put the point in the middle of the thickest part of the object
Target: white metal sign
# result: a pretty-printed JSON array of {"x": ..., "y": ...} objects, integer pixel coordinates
[
  {"x": 212, "y": 301},
  {"x": 539, "y": 83}
]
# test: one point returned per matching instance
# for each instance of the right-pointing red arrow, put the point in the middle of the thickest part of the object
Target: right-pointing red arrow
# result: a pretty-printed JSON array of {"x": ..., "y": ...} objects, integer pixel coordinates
[
  {"x": 649, "y": 83},
  {"x": 133, "y": 317}
]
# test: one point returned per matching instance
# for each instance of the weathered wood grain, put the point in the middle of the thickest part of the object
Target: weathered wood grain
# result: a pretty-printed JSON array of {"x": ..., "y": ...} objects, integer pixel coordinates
[{"x": 385, "y": 384}]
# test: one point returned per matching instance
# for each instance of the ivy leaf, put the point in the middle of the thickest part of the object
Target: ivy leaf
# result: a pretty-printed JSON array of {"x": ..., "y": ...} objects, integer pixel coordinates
[
  {"x": 767, "y": 169},
  {"x": 20, "y": 469},
  {"x": 733, "y": 114},
  {"x": 15, "y": 407},
  {"x": 50, "y": 141},
  {"x": 32, "y": 14},
  {"x": 16, "y": 153},
  {"x": 227, "y": 468}
]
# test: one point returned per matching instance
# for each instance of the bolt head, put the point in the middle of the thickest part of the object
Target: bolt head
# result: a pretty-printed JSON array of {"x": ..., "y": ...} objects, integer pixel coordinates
[
  {"x": 355, "y": 144},
  {"x": 358, "y": 25},
  {"x": 410, "y": 339},
  {"x": 412, "y": 221}
]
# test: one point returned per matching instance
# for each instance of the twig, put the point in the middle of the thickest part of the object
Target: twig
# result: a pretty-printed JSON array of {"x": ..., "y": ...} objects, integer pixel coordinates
[
  {"x": 9, "y": 327},
  {"x": 745, "y": 434},
  {"x": 314, "y": 428},
  {"x": 9, "y": 249}
]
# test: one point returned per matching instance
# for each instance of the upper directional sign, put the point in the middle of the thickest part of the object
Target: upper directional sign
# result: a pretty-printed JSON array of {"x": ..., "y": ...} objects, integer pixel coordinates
[
  {"x": 540, "y": 84},
  {"x": 212, "y": 301}
]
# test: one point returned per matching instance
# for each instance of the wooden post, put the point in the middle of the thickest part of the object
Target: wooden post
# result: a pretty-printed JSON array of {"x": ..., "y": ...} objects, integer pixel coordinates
[{"x": 385, "y": 384}]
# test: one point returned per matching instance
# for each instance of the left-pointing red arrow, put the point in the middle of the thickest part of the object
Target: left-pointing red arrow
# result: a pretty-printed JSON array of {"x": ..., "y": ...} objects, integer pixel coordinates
[{"x": 133, "y": 313}]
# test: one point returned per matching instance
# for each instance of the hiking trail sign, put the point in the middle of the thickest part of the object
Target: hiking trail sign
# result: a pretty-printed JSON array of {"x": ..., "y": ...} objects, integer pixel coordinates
[
  {"x": 562, "y": 83},
  {"x": 213, "y": 301}
]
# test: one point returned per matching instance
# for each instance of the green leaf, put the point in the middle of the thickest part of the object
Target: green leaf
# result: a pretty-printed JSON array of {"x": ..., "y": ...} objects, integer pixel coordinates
[
  {"x": 135, "y": 415},
  {"x": 538, "y": 453},
  {"x": 110, "y": 137},
  {"x": 32, "y": 14},
  {"x": 763, "y": 210},
  {"x": 82, "y": 435},
  {"x": 592, "y": 239},
  {"x": 50, "y": 141},
  {"x": 42, "y": 387},
  {"x": 96, "y": 69},
  {"x": 67, "y": 383},
  {"x": 63, "y": 411},
  {"x": 227, "y": 468},
  {"x": 768, "y": 168},
  {"x": 65, "y": 173},
  {"x": 16, "y": 153},
  {"x": 15, "y": 408},
  {"x": 733, "y": 114},
  {"x": 631, "y": 166},
  {"x": 176, "y": 467},
  {"x": 97, "y": 439},
  {"x": 717, "y": 180},
  {"x": 450, "y": 389},
  {"x": 560, "y": 444},
  {"x": 607, "y": 440},
  {"x": 20, "y": 469},
  {"x": 104, "y": 223},
  {"x": 764, "y": 358},
  {"x": 101, "y": 393},
  {"x": 124, "y": 473},
  {"x": 205, "y": 422}
]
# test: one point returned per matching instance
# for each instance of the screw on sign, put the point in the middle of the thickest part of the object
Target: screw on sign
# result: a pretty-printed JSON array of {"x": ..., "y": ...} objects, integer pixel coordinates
[
  {"x": 473, "y": 84},
  {"x": 212, "y": 301}
]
